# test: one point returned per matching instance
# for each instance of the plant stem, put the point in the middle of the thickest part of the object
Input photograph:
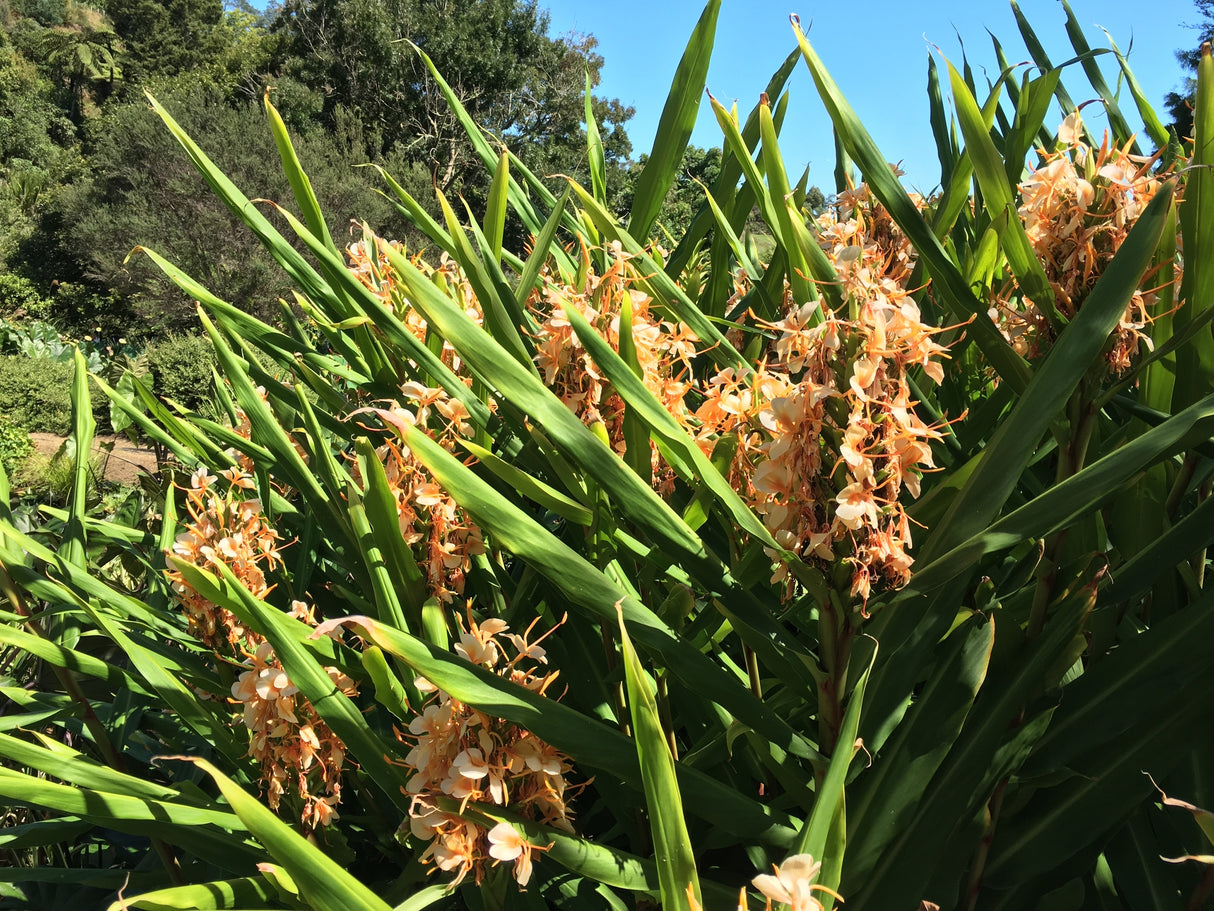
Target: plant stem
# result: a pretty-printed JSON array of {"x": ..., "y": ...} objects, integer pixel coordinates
[
  {"x": 1199, "y": 561},
  {"x": 1081, "y": 414},
  {"x": 664, "y": 714},
  {"x": 1180, "y": 485},
  {"x": 752, "y": 669},
  {"x": 835, "y": 635},
  {"x": 974, "y": 883}
]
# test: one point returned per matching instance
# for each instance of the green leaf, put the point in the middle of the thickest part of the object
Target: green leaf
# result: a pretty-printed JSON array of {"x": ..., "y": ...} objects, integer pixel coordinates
[
  {"x": 786, "y": 216},
  {"x": 527, "y": 392},
  {"x": 495, "y": 211},
  {"x": 323, "y": 883},
  {"x": 286, "y": 255},
  {"x": 1154, "y": 126},
  {"x": 1087, "y": 58},
  {"x": 1031, "y": 109},
  {"x": 671, "y": 842},
  {"x": 1033, "y": 43},
  {"x": 69, "y": 659},
  {"x": 232, "y": 893},
  {"x": 1110, "y": 706},
  {"x": 397, "y": 582},
  {"x": 1142, "y": 881},
  {"x": 885, "y": 798},
  {"x": 72, "y": 766},
  {"x": 72, "y": 544},
  {"x": 594, "y": 150},
  {"x": 169, "y": 687},
  {"x": 542, "y": 252},
  {"x": 301, "y": 186},
  {"x": 946, "y": 151},
  {"x": 181, "y": 450},
  {"x": 1012, "y": 446},
  {"x": 534, "y": 490},
  {"x": 1061, "y": 821},
  {"x": 1195, "y": 362},
  {"x": 734, "y": 200},
  {"x": 675, "y": 126},
  {"x": 998, "y": 198},
  {"x": 417, "y": 213},
  {"x": 122, "y": 811},
  {"x": 1074, "y": 497},
  {"x": 946, "y": 279},
  {"x": 504, "y": 325}
]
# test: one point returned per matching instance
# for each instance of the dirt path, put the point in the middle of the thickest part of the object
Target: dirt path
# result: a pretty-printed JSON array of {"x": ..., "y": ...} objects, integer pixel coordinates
[{"x": 125, "y": 463}]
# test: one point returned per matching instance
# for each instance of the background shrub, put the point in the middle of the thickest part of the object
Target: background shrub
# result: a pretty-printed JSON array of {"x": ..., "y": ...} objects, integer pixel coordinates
[
  {"x": 15, "y": 444},
  {"x": 36, "y": 395},
  {"x": 20, "y": 298},
  {"x": 181, "y": 370}
]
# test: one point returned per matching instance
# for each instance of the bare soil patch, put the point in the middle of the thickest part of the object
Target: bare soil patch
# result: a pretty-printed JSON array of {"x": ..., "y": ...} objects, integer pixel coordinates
[{"x": 123, "y": 464}]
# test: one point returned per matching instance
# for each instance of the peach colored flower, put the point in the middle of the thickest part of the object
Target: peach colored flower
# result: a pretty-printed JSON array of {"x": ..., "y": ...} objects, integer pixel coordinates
[{"x": 792, "y": 883}]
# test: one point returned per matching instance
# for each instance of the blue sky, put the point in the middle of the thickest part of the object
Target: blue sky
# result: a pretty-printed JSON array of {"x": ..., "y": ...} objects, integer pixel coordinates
[{"x": 876, "y": 50}]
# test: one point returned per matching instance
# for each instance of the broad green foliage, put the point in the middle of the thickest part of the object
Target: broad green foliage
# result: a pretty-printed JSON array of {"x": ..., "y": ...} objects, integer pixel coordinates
[{"x": 594, "y": 574}]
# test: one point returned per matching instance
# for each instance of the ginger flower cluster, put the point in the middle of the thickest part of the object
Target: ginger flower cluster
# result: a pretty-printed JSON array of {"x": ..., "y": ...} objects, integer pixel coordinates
[
  {"x": 444, "y": 538},
  {"x": 226, "y": 528},
  {"x": 611, "y": 304},
  {"x": 827, "y": 431},
  {"x": 823, "y": 430},
  {"x": 461, "y": 755},
  {"x": 1078, "y": 206},
  {"x": 290, "y": 741}
]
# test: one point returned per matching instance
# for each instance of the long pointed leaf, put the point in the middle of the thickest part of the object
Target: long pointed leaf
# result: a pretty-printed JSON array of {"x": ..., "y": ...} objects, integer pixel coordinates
[
  {"x": 675, "y": 126},
  {"x": 672, "y": 845}
]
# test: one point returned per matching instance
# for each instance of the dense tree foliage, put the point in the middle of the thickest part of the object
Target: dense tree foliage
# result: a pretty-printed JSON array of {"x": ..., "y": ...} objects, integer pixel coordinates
[
  {"x": 166, "y": 37},
  {"x": 512, "y": 77},
  {"x": 144, "y": 192},
  {"x": 1180, "y": 103},
  {"x": 86, "y": 174}
]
